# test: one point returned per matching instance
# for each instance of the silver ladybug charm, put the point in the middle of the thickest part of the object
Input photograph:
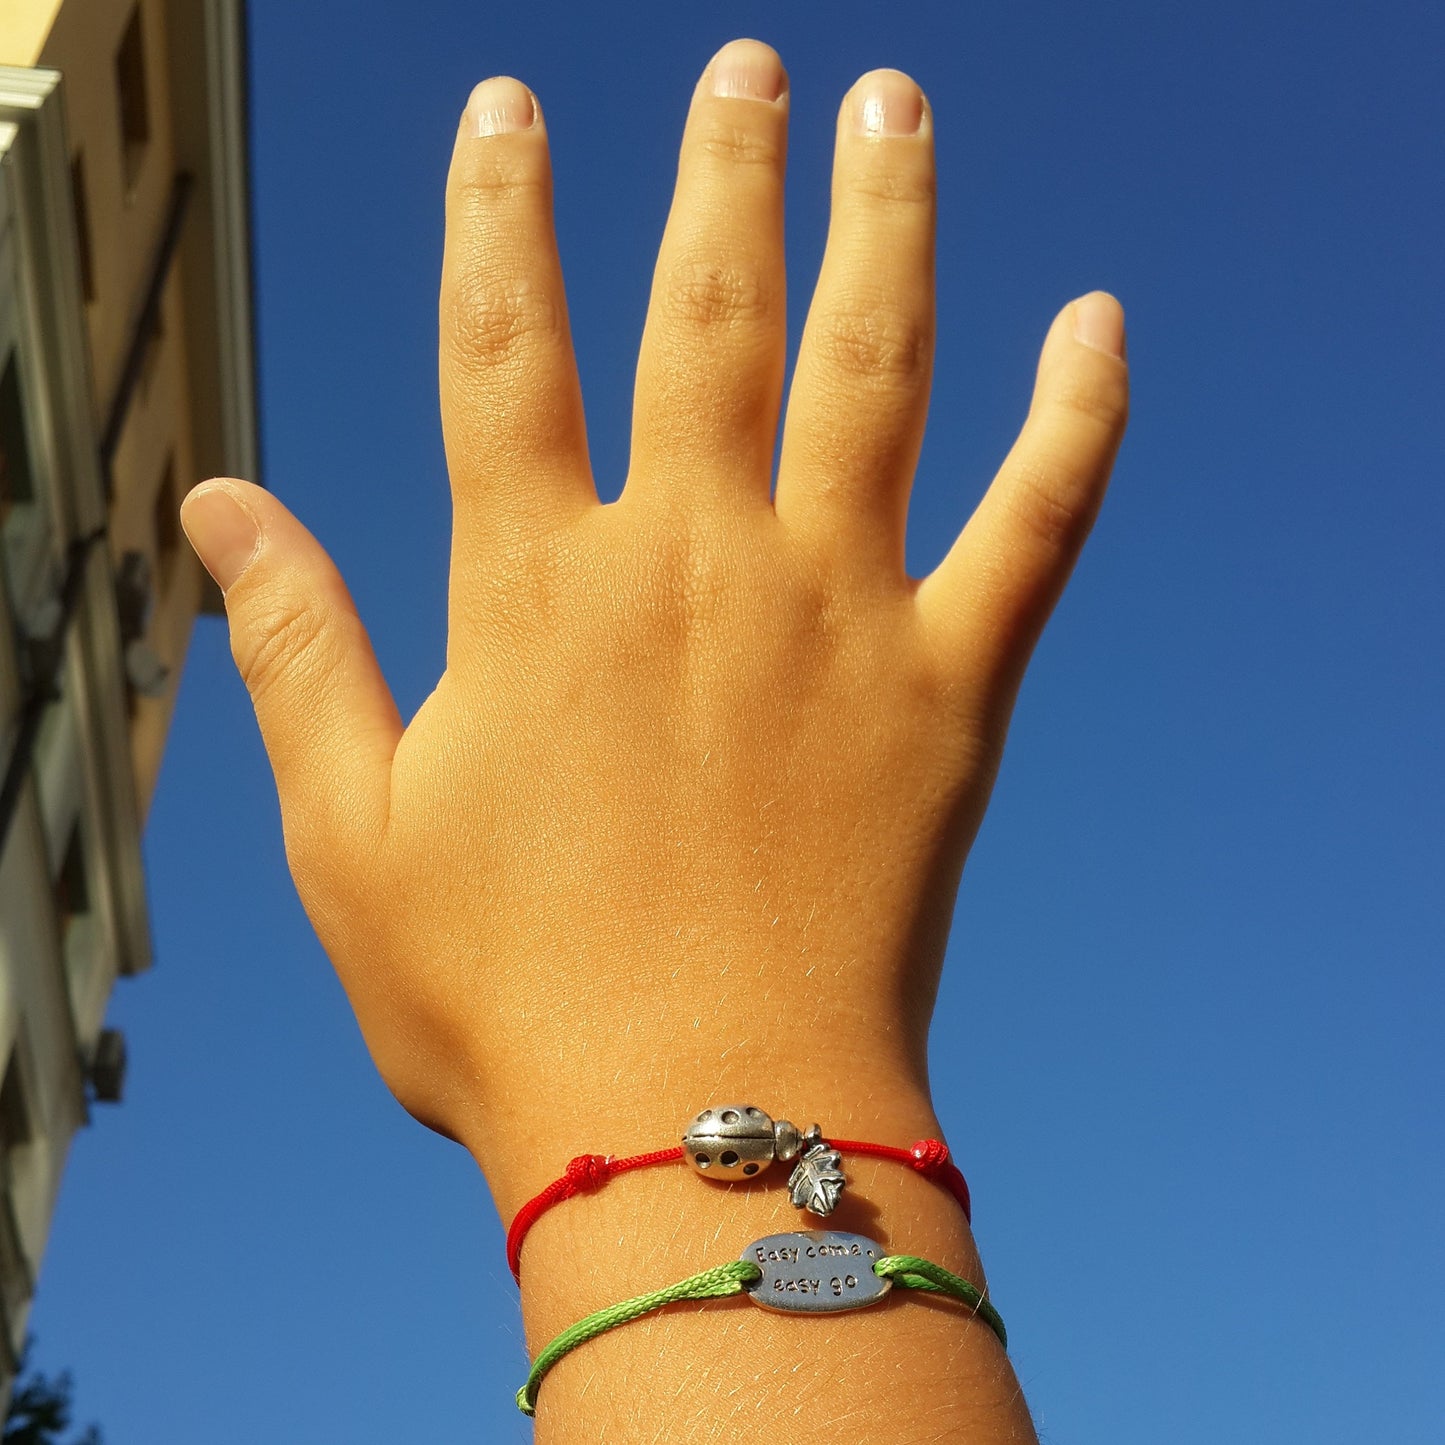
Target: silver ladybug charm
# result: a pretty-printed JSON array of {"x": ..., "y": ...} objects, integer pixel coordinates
[
  {"x": 730, "y": 1141},
  {"x": 739, "y": 1141}
]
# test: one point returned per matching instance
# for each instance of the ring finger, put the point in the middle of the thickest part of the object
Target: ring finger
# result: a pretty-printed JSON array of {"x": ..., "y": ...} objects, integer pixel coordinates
[{"x": 860, "y": 389}]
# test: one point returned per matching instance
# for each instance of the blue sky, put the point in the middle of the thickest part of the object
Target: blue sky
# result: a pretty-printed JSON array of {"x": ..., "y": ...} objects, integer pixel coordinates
[{"x": 1188, "y": 1043}]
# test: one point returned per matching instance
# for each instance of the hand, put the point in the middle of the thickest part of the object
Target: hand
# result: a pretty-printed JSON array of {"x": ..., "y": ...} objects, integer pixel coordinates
[{"x": 685, "y": 815}]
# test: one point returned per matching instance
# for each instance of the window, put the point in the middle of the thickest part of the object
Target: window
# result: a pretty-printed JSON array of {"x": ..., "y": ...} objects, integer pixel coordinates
[
  {"x": 15, "y": 1130},
  {"x": 16, "y": 486},
  {"x": 24, "y": 515},
  {"x": 16, "y": 1135},
  {"x": 82, "y": 227},
  {"x": 130, "y": 81},
  {"x": 74, "y": 920},
  {"x": 168, "y": 523},
  {"x": 72, "y": 894},
  {"x": 150, "y": 356}
]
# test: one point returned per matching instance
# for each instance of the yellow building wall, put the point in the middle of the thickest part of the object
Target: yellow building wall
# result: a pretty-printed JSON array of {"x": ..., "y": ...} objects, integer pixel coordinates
[
  {"x": 24, "y": 24},
  {"x": 126, "y": 219}
]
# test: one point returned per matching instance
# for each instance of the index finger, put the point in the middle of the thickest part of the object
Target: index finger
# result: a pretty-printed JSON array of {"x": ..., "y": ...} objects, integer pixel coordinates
[{"x": 511, "y": 402}]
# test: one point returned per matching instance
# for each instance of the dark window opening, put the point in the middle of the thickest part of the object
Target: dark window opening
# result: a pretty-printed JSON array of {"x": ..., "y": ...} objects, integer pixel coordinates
[
  {"x": 16, "y": 485},
  {"x": 16, "y": 1131},
  {"x": 15, "y": 1126},
  {"x": 72, "y": 894},
  {"x": 168, "y": 521},
  {"x": 150, "y": 356},
  {"x": 130, "y": 80},
  {"x": 82, "y": 227}
]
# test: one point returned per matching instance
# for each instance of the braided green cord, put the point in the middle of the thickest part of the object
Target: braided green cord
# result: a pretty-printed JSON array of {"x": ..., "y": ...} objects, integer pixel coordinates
[
  {"x": 715, "y": 1283},
  {"x": 915, "y": 1273},
  {"x": 907, "y": 1270}
]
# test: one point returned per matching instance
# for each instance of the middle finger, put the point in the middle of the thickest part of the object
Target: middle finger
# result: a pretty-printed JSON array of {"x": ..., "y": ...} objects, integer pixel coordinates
[{"x": 714, "y": 349}]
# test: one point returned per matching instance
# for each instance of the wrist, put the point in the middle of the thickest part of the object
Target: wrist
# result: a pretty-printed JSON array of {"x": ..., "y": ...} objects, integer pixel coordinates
[
  {"x": 620, "y": 1112},
  {"x": 652, "y": 1228},
  {"x": 888, "y": 1135},
  {"x": 628, "y": 1047}
]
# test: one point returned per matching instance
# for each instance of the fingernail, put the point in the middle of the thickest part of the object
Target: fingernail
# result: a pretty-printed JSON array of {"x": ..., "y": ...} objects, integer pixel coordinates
[
  {"x": 887, "y": 102},
  {"x": 1099, "y": 322},
  {"x": 224, "y": 534},
  {"x": 747, "y": 70},
  {"x": 499, "y": 105}
]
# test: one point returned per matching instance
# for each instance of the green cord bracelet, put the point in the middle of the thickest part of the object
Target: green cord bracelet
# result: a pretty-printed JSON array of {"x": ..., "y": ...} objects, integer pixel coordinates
[{"x": 779, "y": 1273}]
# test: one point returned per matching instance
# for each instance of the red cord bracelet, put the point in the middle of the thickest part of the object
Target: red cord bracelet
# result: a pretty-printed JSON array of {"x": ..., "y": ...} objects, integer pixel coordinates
[{"x": 589, "y": 1172}]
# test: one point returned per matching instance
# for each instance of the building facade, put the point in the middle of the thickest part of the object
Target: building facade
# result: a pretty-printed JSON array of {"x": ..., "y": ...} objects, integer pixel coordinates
[{"x": 126, "y": 376}]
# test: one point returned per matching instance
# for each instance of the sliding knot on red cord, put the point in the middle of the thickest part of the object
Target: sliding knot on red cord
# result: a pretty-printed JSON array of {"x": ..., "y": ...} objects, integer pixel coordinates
[
  {"x": 589, "y": 1171},
  {"x": 929, "y": 1157}
]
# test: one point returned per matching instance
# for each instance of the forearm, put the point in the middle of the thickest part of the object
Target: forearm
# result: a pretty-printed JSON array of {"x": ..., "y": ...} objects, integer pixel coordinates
[{"x": 919, "y": 1367}]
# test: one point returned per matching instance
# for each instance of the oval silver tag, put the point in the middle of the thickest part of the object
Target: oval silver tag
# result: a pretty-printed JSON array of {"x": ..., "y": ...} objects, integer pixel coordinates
[{"x": 816, "y": 1272}]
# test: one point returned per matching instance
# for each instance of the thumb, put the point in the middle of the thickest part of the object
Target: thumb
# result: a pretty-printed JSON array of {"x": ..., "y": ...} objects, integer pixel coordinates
[
  {"x": 327, "y": 717},
  {"x": 992, "y": 594}
]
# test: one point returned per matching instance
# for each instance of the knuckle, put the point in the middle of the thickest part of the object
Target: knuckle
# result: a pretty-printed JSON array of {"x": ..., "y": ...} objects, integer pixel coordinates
[
  {"x": 1098, "y": 399},
  {"x": 906, "y": 188},
  {"x": 504, "y": 177},
  {"x": 717, "y": 295},
  {"x": 730, "y": 144},
  {"x": 1044, "y": 495},
  {"x": 495, "y": 319},
  {"x": 329, "y": 856},
  {"x": 871, "y": 340},
  {"x": 287, "y": 640},
  {"x": 311, "y": 855}
]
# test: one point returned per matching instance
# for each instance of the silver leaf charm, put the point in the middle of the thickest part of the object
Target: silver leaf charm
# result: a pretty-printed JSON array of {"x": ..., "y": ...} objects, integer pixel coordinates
[{"x": 817, "y": 1180}]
